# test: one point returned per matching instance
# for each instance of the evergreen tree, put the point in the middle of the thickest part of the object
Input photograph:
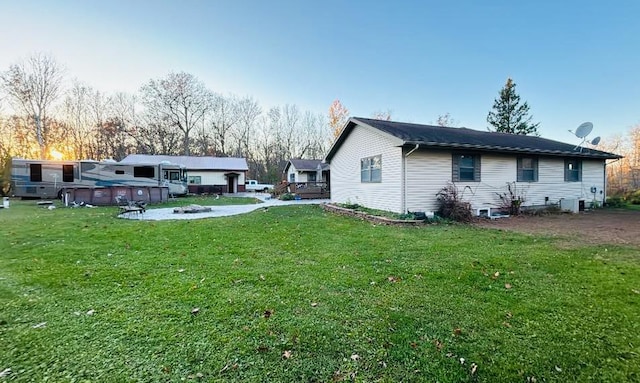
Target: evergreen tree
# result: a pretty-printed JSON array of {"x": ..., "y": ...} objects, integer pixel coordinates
[{"x": 508, "y": 115}]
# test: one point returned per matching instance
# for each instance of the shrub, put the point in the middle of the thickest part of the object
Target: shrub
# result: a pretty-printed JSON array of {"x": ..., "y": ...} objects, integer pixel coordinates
[
  {"x": 287, "y": 197},
  {"x": 615, "y": 202},
  {"x": 511, "y": 200},
  {"x": 451, "y": 204},
  {"x": 633, "y": 197}
]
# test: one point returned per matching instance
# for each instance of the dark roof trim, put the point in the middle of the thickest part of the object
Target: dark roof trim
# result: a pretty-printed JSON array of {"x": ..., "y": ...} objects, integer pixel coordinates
[{"x": 468, "y": 139}]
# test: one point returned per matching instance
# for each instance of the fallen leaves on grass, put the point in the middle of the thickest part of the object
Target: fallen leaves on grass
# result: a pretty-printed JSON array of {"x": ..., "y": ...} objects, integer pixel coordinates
[
  {"x": 314, "y": 304},
  {"x": 438, "y": 344},
  {"x": 267, "y": 314},
  {"x": 91, "y": 312},
  {"x": 393, "y": 279},
  {"x": 40, "y": 325},
  {"x": 355, "y": 357},
  {"x": 457, "y": 331},
  {"x": 286, "y": 354},
  {"x": 474, "y": 368},
  {"x": 195, "y": 311},
  {"x": 5, "y": 372},
  {"x": 507, "y": 286}
]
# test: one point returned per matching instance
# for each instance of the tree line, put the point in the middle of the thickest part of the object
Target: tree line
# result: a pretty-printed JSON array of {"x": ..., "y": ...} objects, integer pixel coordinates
[{"x": 45, "y": 115}]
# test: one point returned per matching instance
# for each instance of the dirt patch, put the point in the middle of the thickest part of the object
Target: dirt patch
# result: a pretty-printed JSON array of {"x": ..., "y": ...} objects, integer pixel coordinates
[{"x": 603, "y": 226}]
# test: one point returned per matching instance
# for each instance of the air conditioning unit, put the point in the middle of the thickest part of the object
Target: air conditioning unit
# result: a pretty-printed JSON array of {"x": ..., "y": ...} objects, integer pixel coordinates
[{"x": 570, "y": 204}]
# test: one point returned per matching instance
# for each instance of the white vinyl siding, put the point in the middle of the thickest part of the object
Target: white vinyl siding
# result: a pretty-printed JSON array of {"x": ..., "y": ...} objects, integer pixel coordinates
[
  {"x": 346, "y": 185},
  {"x": 429, "y": 171},
  {"x": 215, "y": 177}
]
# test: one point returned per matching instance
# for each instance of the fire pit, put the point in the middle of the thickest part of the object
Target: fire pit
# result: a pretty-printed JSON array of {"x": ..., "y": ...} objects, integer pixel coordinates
[{"x": 191, "y": 209}]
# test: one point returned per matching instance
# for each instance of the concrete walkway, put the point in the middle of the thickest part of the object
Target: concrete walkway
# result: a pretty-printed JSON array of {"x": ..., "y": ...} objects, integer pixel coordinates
[{"x": 220, "y": 211}]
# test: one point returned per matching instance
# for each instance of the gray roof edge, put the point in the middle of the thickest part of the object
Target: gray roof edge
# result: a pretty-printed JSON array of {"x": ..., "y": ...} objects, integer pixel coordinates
[{"x": 506, "y": 149}]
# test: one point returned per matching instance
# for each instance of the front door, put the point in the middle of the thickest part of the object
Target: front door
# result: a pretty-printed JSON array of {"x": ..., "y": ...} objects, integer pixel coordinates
[{"x": 231, "y": 183}]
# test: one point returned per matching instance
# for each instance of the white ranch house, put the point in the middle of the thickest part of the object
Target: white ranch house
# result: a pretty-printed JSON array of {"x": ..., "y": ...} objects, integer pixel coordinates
[
  {"x": 300, "y": 170},
  {"x": 206, "y": 174},
  {"x": 400, "y": 167}
]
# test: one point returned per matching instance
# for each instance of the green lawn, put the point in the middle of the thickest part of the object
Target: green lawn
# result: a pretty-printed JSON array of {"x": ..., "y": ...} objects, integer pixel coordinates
[{"x": 295, "y": 294}]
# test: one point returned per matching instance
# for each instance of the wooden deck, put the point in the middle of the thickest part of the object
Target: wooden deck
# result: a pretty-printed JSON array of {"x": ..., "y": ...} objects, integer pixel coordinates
[{"x": 304, "y": 190}]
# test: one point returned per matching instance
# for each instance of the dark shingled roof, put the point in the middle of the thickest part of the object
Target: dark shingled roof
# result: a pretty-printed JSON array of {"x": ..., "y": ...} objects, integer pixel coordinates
[
  {"x": 306, "y": 165},
  {"x": 469, "y": 139}
]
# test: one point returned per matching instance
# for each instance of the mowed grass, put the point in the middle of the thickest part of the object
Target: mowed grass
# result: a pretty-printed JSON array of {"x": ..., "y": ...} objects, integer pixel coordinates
[{"x": 295, "y": 294}]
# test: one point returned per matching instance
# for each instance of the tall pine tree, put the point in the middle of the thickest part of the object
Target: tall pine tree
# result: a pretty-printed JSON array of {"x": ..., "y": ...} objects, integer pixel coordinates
[{"x": 508, "y": 115}]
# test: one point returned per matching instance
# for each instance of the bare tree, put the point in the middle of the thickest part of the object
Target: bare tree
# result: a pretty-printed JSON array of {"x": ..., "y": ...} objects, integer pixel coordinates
[
  {"x": 446, "y": 120},
  {"x": 225, "y": 115},
  {"x": 32, "y": 87},
  {"x": 248, "y": 113},
  {"x": 180, "y": 100},
  {"x": 380, "y": 115}
]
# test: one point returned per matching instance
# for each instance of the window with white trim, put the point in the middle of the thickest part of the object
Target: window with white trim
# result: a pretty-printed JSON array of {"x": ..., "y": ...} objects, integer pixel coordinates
[{"x": 371, "y": 169}]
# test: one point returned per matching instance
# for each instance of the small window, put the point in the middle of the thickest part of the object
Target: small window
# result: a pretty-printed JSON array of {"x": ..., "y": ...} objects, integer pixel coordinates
[
  {"x": 35, "y": 174},
  {"x": 573, "y": 170},
  {"x": 174, "y": 176},
  {"x": 466, "y": 167},
  {"x": 311, "y": 177},
  {"x": 195, "y": 180},
  {"x": 292, "y": 177},
  {"x": 67, "y": 173},
  {"x": 144, "y": 171},
  {"x": 371, "y": 169},
  {"x": 527, "y": 169},
  {"x": 119, "y": 171}
]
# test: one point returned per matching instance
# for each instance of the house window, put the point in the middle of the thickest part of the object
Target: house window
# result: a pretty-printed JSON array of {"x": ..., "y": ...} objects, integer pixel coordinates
[
  {"x": 35, "y": 174},
  {"x": 466, "y": 167},
  {"x": 371, "y": 169},
  {"x": 572, "y": 170},
  {"x": 311, "y": 177},
  {"x": 527, "y": 169},
  {"x": 292, "y": 177},
  {"x": 195, "y": 180}
]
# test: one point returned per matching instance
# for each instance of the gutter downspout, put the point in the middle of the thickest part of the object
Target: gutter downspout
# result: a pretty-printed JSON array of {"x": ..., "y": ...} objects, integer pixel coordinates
[
  {"x": 604, "y": 196},
  {"x": 404, "y": 181}
]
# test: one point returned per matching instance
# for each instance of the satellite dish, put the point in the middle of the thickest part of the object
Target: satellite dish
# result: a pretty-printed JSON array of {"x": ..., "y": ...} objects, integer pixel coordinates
[
  {"x": 595, "y": 141},
  {"x": 584, "y": 129}
]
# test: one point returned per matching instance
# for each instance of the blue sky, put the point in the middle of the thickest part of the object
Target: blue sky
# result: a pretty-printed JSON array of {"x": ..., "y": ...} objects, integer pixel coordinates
[{"x": 572, "y": 61}]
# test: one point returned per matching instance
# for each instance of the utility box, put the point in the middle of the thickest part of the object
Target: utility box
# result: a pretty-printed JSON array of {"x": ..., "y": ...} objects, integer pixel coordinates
[
  {"x": 570, "y": 204},
  {"x": 5, "y": 202}
]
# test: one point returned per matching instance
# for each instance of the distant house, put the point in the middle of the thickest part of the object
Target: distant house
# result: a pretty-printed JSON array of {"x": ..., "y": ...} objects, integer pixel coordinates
[
  {"x": 298, "y": 170},
  {"x": 400, "y": 167},
  {"x": 205, "y": 174}
]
